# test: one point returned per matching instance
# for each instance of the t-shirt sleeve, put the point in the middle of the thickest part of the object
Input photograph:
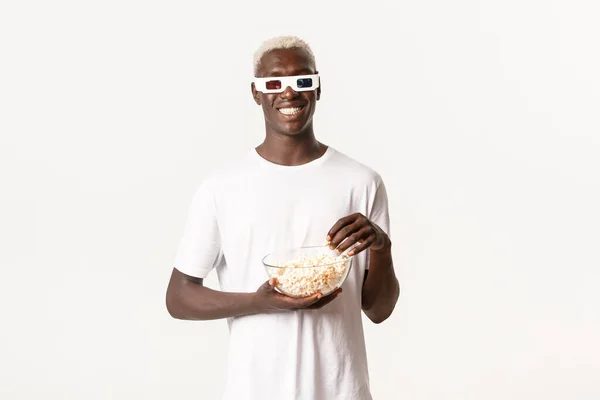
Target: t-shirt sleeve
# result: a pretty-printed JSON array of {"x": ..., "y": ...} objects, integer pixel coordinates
[
  {"x": 379, "y": 210},
  {"x": 379, "y": 213},
  {"x": 199, "y": 249}
]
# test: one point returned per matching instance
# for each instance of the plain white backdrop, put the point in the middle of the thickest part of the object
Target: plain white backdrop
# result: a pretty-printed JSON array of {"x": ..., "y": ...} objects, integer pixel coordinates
[{"x": 481, "y": 116}]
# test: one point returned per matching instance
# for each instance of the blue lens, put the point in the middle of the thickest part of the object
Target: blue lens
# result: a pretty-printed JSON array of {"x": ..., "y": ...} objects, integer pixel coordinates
[{"x": 303, "y": 83}]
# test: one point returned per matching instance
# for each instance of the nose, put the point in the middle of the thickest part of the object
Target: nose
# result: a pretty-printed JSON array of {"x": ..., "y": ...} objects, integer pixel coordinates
[{"x": 288, "y": 93}]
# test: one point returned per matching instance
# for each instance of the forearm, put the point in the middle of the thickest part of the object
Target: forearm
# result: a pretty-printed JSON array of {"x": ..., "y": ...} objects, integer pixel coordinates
[
  {"x": 381, "y": 288},
  {"x": 189, "y": 300}
]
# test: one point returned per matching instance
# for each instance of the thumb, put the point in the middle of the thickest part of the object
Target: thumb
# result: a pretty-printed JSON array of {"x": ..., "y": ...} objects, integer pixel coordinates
[
  {"x": 268, "y": 286},
  {"x": 310, "y": 300}
]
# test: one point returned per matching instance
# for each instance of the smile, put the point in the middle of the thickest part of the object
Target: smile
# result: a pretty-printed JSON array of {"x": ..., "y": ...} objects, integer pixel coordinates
[{"x": 290, "y": 110}]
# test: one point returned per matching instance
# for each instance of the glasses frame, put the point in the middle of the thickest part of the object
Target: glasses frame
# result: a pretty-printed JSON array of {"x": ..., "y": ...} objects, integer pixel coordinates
[{"x": 286, "y": 81}]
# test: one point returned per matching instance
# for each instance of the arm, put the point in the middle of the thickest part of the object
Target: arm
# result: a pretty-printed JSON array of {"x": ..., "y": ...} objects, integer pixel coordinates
[
  {"x": 380, "y": 288},
  {"x": 199, "y": 252},
  {"x": 187, "y": 298}
]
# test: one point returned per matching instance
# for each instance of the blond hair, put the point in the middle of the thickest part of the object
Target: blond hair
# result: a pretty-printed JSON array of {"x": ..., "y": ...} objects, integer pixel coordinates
[{"x": 281, "y": 42}]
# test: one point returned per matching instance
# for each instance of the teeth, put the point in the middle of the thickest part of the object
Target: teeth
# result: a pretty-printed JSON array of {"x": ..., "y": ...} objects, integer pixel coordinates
[{"x": 290, "y": 111}]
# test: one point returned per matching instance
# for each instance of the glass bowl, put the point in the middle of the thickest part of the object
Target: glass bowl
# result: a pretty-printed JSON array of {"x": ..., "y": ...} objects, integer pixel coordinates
[{"x": 304, "y": 271}]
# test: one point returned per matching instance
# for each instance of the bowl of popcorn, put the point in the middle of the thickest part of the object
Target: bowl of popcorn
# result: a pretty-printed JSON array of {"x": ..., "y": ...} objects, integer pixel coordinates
[{"x": 304, "y": 271}]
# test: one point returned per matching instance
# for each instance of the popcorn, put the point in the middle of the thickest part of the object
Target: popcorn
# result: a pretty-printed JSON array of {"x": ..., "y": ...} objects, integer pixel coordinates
[{"x": 308, "y": 275}]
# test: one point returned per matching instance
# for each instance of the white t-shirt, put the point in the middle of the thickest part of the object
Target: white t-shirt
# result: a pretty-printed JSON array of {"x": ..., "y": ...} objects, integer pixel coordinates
[{"x": 243, "y": 212}]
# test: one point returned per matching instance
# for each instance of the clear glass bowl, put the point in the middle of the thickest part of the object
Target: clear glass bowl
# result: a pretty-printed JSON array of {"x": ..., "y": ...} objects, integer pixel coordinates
[{"x": 304, "y": 271}]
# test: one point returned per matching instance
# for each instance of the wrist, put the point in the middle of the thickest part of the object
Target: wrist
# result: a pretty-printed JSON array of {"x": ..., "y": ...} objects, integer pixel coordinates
[
  {"x": 384, "y": 250},
  {"x": 256, "y": 303}
]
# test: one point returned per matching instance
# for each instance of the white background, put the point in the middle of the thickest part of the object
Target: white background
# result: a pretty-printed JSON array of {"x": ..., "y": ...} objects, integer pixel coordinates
[{"x": 481, "y": 116}]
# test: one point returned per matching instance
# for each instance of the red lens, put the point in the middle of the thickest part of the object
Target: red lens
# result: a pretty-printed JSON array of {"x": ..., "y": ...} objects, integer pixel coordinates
[{"x": 273, "y": 85}]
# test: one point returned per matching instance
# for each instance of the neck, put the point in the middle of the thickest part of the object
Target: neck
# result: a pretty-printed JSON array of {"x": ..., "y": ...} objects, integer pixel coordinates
[{"x": 291, "y": 150}]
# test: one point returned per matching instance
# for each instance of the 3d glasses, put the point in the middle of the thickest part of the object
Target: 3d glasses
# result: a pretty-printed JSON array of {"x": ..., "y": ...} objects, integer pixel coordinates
[{"x": 277, "y": 84}]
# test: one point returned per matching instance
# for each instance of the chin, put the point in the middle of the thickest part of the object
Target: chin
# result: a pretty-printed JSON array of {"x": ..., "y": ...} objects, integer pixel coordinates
[
  {"x": 295, "y": 128},
  {"x": 292, "y": 132}
]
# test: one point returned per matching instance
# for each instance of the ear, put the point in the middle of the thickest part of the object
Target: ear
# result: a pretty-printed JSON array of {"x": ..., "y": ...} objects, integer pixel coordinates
[
  {"x": 255, "y": 94},
  {"x": 319, "y": 88}
]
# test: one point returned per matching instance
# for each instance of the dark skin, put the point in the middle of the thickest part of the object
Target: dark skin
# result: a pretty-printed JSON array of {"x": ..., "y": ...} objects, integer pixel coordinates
[
  {"x": 380, "y": 288},
  {"x": 290, "y": 140}
]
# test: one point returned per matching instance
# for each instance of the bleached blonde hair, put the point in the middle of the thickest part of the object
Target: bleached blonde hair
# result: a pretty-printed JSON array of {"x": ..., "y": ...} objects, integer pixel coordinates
[{"x": 281, "y": 42}]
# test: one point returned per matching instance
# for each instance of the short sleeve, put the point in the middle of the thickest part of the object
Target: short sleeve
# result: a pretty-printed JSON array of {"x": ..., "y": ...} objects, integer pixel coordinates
[
  {"x": 379, "y": 208},
  {"x": 379, "y": 211},
  {"x": 199, "y": 249}
]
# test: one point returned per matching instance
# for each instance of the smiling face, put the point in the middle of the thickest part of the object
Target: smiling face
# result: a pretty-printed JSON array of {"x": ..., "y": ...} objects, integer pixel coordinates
[{"x": 288, "y": 113}]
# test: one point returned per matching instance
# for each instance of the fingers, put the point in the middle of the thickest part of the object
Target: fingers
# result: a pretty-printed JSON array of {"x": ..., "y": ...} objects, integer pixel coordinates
[
  {"x": 307, "y": 301},
  {"x": 349, "y": 232},
  {"x": 268, "y": 286},
  {"x": 362, "y": 246},
  {"x": 339, "y": 225},
  {"x": 281, "y": 301},
  {"x": 325, "y": 300},
  {"x": 271, "y": 299},
  {"x": 361, "y": 236},
  {"x": 354, "y": 234}
]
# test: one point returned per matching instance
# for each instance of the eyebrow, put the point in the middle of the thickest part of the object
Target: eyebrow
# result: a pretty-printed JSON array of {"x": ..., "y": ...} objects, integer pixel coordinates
[{"x": 278, "y": 72}]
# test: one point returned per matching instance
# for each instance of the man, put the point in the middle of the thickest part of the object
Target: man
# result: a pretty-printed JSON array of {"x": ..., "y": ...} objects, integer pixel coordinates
[{"x": 290, "y": 191}]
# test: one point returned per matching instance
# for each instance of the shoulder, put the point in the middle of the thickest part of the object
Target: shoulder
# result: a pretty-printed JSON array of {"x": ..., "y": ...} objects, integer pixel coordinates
[{"x": 359, "y": 171}]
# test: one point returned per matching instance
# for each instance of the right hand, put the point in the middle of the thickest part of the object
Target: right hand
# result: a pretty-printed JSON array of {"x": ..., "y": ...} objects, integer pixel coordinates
[{"x": 268, "y": 299}]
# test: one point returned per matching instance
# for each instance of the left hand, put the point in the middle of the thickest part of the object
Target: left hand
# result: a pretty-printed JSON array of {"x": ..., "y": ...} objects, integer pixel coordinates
[{"x": 356, "y": 228}]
